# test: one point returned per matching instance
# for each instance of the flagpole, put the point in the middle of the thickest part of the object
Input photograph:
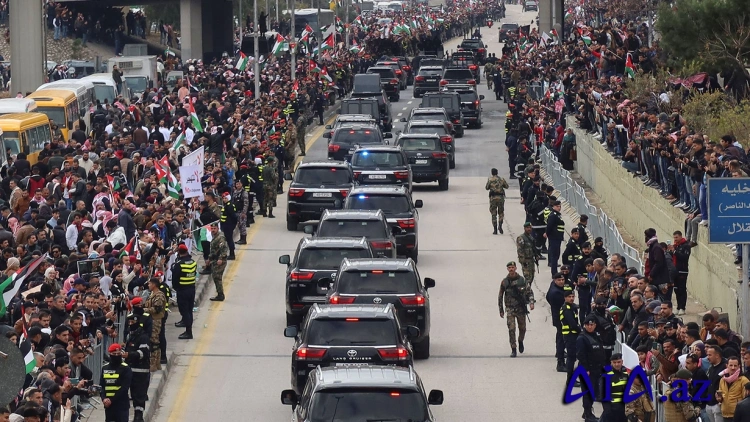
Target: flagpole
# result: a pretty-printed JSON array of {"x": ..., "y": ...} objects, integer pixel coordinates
[
  {"x": 346, "y": 24},
  {"x": 256, "y": 64},
  {"x": 294, "y": 50},
  {"x": 241, "y": 24}
]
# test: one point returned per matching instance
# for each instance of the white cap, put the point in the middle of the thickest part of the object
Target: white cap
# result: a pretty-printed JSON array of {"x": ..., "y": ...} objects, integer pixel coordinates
[{"x": 258, "y": 161}]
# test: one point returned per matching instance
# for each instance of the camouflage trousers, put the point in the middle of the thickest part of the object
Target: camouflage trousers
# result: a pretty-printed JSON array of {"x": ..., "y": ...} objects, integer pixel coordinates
[
  {"x": 497, "y": 208},
  {"x": 269, "y": 196},
  {"x": 155, "y": 356},
  {"x": 516, "y": 319},
  {"x": 217, "y": 275},
  {"x": 242, "y": 223},
  {"x": 528, "y": 270}
]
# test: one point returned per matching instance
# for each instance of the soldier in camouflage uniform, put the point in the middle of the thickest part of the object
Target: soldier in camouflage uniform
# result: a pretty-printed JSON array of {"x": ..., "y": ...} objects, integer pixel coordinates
[
  {"x": 270, "y": 182},
  {"x": 514, "y": 295},
  {"x": 497, "y": 185},
  {"x": 218, "y": 260},
  {"x": 527, "y": 252},
  {"x": 301, "y": 129},
  {"x": 241, "y": 201},
  {"x": 290, "y": 141},
  {"x": 155, "y": 305}
]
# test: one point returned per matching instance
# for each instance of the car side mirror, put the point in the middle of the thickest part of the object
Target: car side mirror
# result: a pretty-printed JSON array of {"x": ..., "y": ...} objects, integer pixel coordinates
[
  {"x": 329, "y": 127},
  {"x": 291, "y": 331},
  {"x": 289, "y": 397},
  {"x": 287, "y": 176},
  {"x": 388, "y": 135},
  {"x": 411, "y": 331},
  {"x": 481, "y": 97},
  {"x": 325, "y": 283},
  {"x": 458, "y": 46},
  {"x": 429, "y": 283},
  {"x": 327, "y": 135},
  {"x": 285, "y": 259},
  {"x": 418, "y": 203},
  {"x": 402, "y": 120},
  {"x": 309, "y": 229},
  {"x": 435, "y": 398}
]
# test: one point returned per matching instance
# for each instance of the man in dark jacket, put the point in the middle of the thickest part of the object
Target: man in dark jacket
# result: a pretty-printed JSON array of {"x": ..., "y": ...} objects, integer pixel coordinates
[
  {"x": 556, "y": 299},
  {"x": 656, "y": 272},
  {"x": 682, "y": 249},
  {"x": 742, "y": 411},
  {"x": 590, "y": 355}
]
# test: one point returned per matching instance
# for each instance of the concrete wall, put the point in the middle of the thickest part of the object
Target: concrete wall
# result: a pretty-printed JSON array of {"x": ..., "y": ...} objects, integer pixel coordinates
[{"x": 636, "y": 207}]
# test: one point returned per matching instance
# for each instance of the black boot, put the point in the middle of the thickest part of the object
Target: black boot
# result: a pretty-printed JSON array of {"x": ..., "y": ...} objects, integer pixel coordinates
[
  {"x": 138, "y": 416},
  {"x": 179, "y": 324},
  {"x": 187, "y": 335},
  {"x": 217, "y": 298},
  {"x": 205, "y": 271},
  {"x": 513, "y": 353},
  {"x": 270, "y": 213},
  {"x": 520, "y": 343},
  {"x": 561, "y": 366},
  {"x": 494, "y": 226},
  {"x": 500, "y": 228},
  {"x": 243, "y": 240},
  {"x": 231, "y": 256}
]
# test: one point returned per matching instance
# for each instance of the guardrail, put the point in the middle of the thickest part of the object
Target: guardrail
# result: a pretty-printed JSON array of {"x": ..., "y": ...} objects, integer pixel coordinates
[{"x": 599, "y": 224}]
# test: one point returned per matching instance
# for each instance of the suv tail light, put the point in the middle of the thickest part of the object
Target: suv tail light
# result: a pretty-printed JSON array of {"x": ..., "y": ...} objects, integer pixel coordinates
[
  {"x": 440, "y": 154},
  {"x": 380, "y": 245},
  {"x": 308, "y": 353},
  {"x": 417, "y": 300},
  {"x": 398, "y": 71},
  {"x": 476, "y": 103},
  {"x": 419, "y": 79},
  {"x": 341, "y": 300},
  {"x": 397, "y": 353},
  {"x": 344, "y": 192},
  {"x": 481, "y": 50},
  {"x": 408, "y": 223},
  {"x": 473, "y": 67},
  {"x": 302, "y": 275},
  {"x": 407, "y": 67},
  {"x": 443, "y": 82},
  {"x": 446, "y": 138},
  {"x": 296, "y": 192},
  {"x": 357, "y": 174},
  {"x": 394, "y": 81},
  {"x": 472, "y": 82},
  {"x": 333, "y": 148},
  {"x": 401, "y": 175},
  {"x": 457, "y": 121}
]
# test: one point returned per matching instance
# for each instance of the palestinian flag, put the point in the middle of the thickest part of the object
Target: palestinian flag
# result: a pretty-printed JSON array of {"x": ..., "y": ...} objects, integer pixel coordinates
[
  {"x": 28, "y": 355},
  {"x": 414, "y": 23},
  {"x": 194, "y": 117},
  {"x": 201, "y": 234},
  {"x": 358, "y": 20},
  {"x": 242, "y": 62},
  {"x": 280, "y": 46},
  {"x": 324, "y": 74},
  {"x": 272, "y": 130},
  {"x": 586, "y": 39},
  {"x": 132, "y": 249},
  {"x": 629, "y": 68},
  {"x": 10, "y": 287},
  {"x": 180, "y": 140},
  {"x": 354, "y": 47},
  {"x": 114, "y": 183}
]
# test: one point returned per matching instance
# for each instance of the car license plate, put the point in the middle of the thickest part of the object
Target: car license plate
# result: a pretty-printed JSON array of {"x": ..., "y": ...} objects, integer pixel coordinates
[
  {"x": 421, "y": 162},
  {"x": 350, "y": 364},
  {"x": 322, "y": 194},
  {"x": 377, "y": 176}
]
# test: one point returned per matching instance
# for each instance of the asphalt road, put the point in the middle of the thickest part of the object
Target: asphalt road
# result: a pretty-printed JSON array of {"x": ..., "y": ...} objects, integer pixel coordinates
[{"x": 239, "y": 362}]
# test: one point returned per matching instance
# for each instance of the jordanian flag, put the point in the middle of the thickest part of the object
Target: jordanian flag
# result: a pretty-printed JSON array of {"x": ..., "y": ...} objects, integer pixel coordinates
[
  {"x": 13, "y": 283},
  {"x": 324, "y": 74},
  {"x": 629, "y": 68},
  {"x": 355, "y": 47},
  {"x": 314, "y": 67},
  {"x": 180, "y": 140},
  {"x": 194, "y": 117},
  {"x": 165, "y": 176},
  {"x": 280, "y": 46},
  {"x": 568, "y": 14},
  {"x": 132, "y": 249},
  {"x": 242, "y": 62},
  {"x": 114, "y": 183},
  {"x": 329, "y": 42},
  {"x": 307, "y": 31}
]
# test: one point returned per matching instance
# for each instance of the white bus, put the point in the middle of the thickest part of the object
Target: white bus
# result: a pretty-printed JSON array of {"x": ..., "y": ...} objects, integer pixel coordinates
[{"x": 17, "y": 105}]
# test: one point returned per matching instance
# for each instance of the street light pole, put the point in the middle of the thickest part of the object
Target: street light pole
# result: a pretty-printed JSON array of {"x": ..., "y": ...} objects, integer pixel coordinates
[
  {"x": 277, "y": 12},
  {"x": 256, "y": 65},
  {"x": 296, "y": 46},
  {"x": 241, "y": 22},
  {"x": 346, "y": 23}
]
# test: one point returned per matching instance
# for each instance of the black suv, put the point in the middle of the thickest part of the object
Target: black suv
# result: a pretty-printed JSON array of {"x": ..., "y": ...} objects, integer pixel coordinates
[
  {"x": 365, "y": 105},
  {"x": 457, "y": 75},
  {"x": 441, "y": 129},
  {"x": 364, "y": 393},
  {"x": 349, "y": 120},
  {"x": 428, "y": 158},
  {"x": 399, "y": 209},
  {"x": 505, "y": 30},
  {"x": 405, "y": 66},
  {"x": 381, "y": 165},
  {"x": 471, "y": 103},
  {"x": 345, "y": 140},
  {"x": 394, "y": 281},
  {"x": 466, "y": 59},
  {"x": 476, "y": 46},
  {"x": 358, "y": 223},
  {"x": 427, "y": 80},
  {"x": 401, "y": 74},
  {"x": 386, "y": 123},
  {"x": 451, "y": 102},
  {"x": 348, "y": 336},
  {"x": 316, "y": 258},
  {"x": 388, "y": 80},
  {"x": 317, "y": 186}
]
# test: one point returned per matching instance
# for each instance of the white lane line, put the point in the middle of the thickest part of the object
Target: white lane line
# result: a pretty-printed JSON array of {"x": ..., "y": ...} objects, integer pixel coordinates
[
  {"x": 404, "y": 108},
  {"x": 400, "y": 114},
  {"x": 409, "y": 102}
]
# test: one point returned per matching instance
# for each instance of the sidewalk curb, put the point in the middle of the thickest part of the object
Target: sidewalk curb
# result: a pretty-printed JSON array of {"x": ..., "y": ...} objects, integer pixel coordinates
[{"x": 157, "y": 386}]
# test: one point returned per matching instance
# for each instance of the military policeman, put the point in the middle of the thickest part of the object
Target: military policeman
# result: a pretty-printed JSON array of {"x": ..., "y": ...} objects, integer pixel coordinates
[
  {"x": 556, "y": 299},
  {"x": 590, "y": 355},
  {"x": 527, "y": 254},
  {"x": 572, "y": 251},
  {"x": 497, "y": 185},
  {"x": 515, "y": 294},
  {"x": 137, "y": 356},
  {"x": 614, "y": 410},
  {"x": 241, "y": 202},
  {"x": 569, "y": 329},
  {"x": 156, "y": 306},
  {"x": 183, "y": 279},
  {"x": 228, "y": 221},
  {"x": 270, "y": 182},
  {"x": 218, "y": 261},
  {"x": 115, "y": 380}
]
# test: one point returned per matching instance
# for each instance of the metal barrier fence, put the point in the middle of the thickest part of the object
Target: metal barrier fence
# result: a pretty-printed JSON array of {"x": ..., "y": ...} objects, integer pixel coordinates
[{"x": 599, "y": 224}]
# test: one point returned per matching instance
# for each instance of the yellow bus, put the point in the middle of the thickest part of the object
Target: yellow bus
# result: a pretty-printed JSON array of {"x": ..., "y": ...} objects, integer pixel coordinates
[
  {"x": 60, "y": 106},
  {"x": 24, "y": 132},
  {"x": 84, "y": 92}
]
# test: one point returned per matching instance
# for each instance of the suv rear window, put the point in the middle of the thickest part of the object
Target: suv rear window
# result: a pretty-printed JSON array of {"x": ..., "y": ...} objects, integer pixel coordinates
[
  {"x": 340, "y": 332},
  {"x": 428, "y": 116},
  {"x": 448, "y": 102},
  {"x": 420, "y": 144},
  {"x": 328, "y": 259},
  {"x": 390, "y": 204},
  {"x": 356, "y": 136},
  {"x": 509, "y": 27},
  {"x": 384, "y": 73},
  {"x": 359, "y": 108},
  {"x": 377, "y": 282},
  {"x": 353, "y": 228},
  {"x": 430, "y": 72},
  {"x": 467, "y": 96},
  {"x": 427, "y": 130},
  {"x": 377, "y": 159},
  {"x": 432, "y": 62},
  {"x": 323, "y": 176},
  {"x": 458, "y": 74},
  {"x": 368, "y": 405}
]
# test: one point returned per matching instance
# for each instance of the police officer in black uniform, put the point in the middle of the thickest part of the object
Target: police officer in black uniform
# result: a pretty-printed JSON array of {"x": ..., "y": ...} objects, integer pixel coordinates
[
  {"x": 137, "y": 355},
  {"x": 229, "y": 222},
  {"x": 183, "y": 280},
  {"x": 605, "y": 326},
  {"x": 590, "y": 354},
  {"x": 617, "y": 377},
  {"x": 556, "y": 299},
  {"x": 569, "y": 329},
  {"x": 115, "y": 381}
]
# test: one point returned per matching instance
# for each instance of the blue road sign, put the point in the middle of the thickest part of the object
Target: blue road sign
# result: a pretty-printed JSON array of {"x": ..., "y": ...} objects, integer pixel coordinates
[{"x": 729, "y": 210}]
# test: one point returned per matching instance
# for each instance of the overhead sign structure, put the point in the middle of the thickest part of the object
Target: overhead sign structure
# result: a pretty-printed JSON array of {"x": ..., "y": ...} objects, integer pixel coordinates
[{"x": 729, "y": 210}]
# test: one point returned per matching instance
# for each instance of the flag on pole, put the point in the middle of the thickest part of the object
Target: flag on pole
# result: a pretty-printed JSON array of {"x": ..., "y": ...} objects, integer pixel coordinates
[
  {"x": 568, "y": 14},
  {"x": 324, "y": 74},
  {"x": 180, "y": 140},
  {"x": 629, "y": 68},
  {"x": 114, "y": 184},
  {"x": 307, "y": 31},
  {"x": 328, "y": 42},
  {"x": 355, "y": 47},
  {"x": 242, "y": 62},
  {"x": 586, "y": 39},
  {"x": 28, "y": 355},
  {"x": 168, "y": 52},
  {"x": 546, "y": 38},
  {"x": 164, "y": 174},
  {"x": 132, "y": 249},
  {"x": 280, "y": 46},
  {"x": 201, "y": 234},
  {"x": 314, "y": 66},
  {"x": 194, "y": 118},
  {"x": 12, "y": 284},
  {"x": 170, "y": 108}
]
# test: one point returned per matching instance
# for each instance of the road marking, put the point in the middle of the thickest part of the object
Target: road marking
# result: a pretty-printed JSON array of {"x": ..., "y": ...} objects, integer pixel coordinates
[
  {"x": 215, "y": 309},
  {"x": 400, "y": 114},
  {"x": 404, "y": 108},
  {"x": 317, "y": 133},
  {"x": 409, "y": 102}
]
